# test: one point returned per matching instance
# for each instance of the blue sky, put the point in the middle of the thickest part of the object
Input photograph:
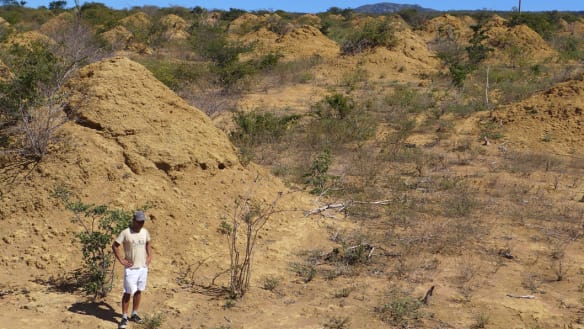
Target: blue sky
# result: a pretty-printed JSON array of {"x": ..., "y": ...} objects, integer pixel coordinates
[{"x": 315, "y": 6}]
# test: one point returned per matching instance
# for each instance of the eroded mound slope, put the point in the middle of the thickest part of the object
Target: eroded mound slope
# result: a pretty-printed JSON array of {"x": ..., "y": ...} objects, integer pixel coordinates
[{"x": 550, "y": 118}]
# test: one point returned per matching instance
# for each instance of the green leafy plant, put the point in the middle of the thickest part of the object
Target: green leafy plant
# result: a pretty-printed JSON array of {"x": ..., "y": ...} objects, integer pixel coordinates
[
  {"x": 400, "y": 310},
  {"x": 317, "y": 176},
  {"x": 211, "y": 43},
  {"x": 255, "y": 128},
  {"x": 270, "y": 282},
  {"x": 99, "y": 225}
]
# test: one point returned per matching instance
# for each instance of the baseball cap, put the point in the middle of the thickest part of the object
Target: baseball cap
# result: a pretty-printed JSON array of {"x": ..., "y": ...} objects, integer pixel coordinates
[{"x": 139, "y": 216}]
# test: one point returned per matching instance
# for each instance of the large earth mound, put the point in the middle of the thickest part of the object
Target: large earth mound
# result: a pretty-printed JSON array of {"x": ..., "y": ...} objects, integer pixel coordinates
[
  {"x": 550, "y": 119},
  {"x": 175, "y": 27},
  {"x": 515, "y": 43},
  {"x": 134, "y": 143},
  {"x": 448, "y": 27}
]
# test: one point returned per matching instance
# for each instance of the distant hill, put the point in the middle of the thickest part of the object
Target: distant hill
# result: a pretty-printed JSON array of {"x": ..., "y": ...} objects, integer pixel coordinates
[{"x": 387, "y": 7}]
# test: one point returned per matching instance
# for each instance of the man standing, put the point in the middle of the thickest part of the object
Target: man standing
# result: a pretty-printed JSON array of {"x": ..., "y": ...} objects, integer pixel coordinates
[{"x": 137, "y": 256}]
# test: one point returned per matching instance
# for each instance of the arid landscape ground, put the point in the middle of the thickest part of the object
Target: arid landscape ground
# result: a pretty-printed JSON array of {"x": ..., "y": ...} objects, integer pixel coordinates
[{"x": 472, "y": 191}]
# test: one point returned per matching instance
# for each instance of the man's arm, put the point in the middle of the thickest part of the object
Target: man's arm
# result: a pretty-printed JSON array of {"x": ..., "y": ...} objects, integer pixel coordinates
[
  {"x": 148, "y": 253},
  {"x": 116, "y": 250}
]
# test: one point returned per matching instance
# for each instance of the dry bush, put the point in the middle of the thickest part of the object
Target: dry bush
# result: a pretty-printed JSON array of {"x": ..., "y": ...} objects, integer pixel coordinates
[
  {"x": 528, "y": 162},
  {"x": 467, "y": 269},
  {"x": 460, "y": 202},
  {"x": 531, "y": 281},
  {"x": 249, "y": 216},
  {"x": 338, "y": 323},
  {"x": 38, "y": 129}
]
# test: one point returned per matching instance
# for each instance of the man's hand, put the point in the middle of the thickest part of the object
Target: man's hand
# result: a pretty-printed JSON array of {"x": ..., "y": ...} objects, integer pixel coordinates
[{"x": 126, "y": 262}]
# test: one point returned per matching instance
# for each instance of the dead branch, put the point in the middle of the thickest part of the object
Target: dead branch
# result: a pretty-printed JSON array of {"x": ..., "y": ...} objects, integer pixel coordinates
[
  {"x": 381, "y": 202},
  {"x": 342, "y": 206},
  {"x": 338, "y": 206},
  {"x": 519, "y": 296}
]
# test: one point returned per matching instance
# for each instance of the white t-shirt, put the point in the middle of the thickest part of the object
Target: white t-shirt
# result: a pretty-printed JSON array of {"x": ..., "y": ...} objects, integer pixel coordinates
[{"x": 134, "y": 244}]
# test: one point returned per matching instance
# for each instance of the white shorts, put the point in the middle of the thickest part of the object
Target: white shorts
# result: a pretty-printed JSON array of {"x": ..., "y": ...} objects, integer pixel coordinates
[{"x": 135, "y": 279}]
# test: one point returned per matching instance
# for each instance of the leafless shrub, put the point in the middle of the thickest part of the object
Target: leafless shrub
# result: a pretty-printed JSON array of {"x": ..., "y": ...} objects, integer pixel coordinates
[
  {"x": 211, "y": 101},
  {"x": 468, "y": 268},
  {"x": 76, "y": 44},
  {"x": 37, "y": 128},
  {"x": 250, "y": 216},
  {"x": 528, "y": 162},
  {"x": 531, "y": 281}
]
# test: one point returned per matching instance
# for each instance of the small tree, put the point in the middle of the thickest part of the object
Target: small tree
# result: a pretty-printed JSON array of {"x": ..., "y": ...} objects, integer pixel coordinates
[
  {"x": 99, "y": 227},
  {"x": 247, "y": 220}
]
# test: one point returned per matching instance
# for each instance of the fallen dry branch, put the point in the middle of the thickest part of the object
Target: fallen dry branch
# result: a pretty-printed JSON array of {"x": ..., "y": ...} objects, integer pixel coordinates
[
  {"x": 521, "y": 296},
  {"x": 342, "y": 206}
]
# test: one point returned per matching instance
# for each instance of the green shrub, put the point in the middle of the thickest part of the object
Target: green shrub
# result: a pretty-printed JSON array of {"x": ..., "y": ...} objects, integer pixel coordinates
[
  {"x": 373, "y": 34},
  {"x": 317, "y": 176},
  {"x": 570, "y": 47},
  {"x": 270, "y": 282},
  {"x": 175, "y": 75},
  {"x": 99, "y": 226},
  {"x": 99, "y": 15},
  {"x": 34, "y": 67},
  {"x": 336, "y": 106},
  {"x": 335, "y": 29},
  {"x": 255, "y": 128},
  {"x": 269, "y": 61},
  {"x": 343, "y": 293},
  {"x": 337, "y": 323},
  {"x": 306, "y": 271},
  {"x": 338, "y": 120},
  {"x": 400, "y": 309},
  {"x": 409, "y": 99},
  {"x": 211, "y": 43}
]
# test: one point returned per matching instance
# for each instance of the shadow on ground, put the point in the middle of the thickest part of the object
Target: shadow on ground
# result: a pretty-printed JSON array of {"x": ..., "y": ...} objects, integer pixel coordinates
[{"x": 100, "y": 310}]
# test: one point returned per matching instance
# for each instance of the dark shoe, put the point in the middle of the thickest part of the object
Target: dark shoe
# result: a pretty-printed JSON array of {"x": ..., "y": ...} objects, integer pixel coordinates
[
  {"x": 136, "y": 318},
  {"x": 123, "y": 324}
]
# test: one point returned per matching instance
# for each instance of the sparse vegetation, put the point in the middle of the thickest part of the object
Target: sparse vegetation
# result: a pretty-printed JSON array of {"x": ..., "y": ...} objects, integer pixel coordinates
[
  {"x": 153, "y": 321},
  {"x": 400, "y": 309},
  {"x": 436, "y": 166}
]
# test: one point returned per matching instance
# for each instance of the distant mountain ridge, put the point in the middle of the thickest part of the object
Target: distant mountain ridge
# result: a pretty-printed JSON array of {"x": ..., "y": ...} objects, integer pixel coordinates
[{"x": 388, "y": 7}]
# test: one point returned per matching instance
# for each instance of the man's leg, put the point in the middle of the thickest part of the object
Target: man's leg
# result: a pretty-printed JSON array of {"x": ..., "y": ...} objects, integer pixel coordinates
[
  {"x": 125, "y": 306},
  {"x": 126, "y": 303},
  {"x": 136, "y": 301}
]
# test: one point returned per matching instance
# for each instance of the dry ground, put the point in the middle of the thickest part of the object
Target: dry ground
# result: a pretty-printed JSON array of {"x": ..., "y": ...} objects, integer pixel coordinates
[{"x": 496, "y": 229}]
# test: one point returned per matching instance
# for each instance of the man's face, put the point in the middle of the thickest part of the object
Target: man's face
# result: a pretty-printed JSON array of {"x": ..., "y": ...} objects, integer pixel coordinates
[{"x": 137, "y": 225}]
